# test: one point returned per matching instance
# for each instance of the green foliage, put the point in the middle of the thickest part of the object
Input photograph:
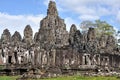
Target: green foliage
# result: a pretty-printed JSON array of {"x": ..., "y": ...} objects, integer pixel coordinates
[
  {"x": 85, "y": 25},
  {"x": 101, "y": 27},
  {"x": 65, "y": 78}
]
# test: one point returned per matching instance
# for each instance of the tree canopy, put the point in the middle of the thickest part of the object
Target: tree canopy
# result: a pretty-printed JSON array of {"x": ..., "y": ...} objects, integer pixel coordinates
[{"x": 101, "y": 27}]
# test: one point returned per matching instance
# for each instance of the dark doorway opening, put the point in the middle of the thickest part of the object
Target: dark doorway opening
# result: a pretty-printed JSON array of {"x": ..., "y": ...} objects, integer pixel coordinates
[{"x": 10, "y": 59}]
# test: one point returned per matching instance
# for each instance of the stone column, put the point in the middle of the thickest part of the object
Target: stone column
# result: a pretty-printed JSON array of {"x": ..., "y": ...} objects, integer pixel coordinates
[
  {"x": 108, "y": 61},
  {"x": 48, "y": 58},
  {"x": 88, "y": 59},
  {"x": 54, "y": 57},
  {"x": 39, "y": 58},
  {"x": 33, "y": 57},
  {"x": 83, "y": 59},
  {"x": 98, "y": 59}
]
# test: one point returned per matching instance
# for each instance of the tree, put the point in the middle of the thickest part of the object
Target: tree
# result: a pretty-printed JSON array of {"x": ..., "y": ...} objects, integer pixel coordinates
[
  {"x": 103, "y": 28},
  {"x": 118, "y": 38},
  {"x": 85, "y": 25}
]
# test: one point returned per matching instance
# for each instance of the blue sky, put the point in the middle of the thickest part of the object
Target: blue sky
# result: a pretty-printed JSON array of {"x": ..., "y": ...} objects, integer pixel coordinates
[{"x": 16, "y": 14}]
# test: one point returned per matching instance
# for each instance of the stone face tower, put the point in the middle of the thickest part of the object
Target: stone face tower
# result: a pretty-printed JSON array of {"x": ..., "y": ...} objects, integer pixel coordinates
[
  {"x": 52, "y": 10},
  {"x": 16, "y": 38},
  {"x": 6, "y": 36},
  {"x": 28, "y": 34},
  {"x": 52, "y": 32}
]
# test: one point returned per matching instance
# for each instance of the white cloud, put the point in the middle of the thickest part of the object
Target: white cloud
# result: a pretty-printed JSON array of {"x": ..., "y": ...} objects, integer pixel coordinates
[
  {"x": 18, "y": 22},
  {"x": 69, "y": 21},
  {"x": 88, "y": 17},
  {"x": 47, "y": 1},
  {"x": 118, "y": 16},
  {"x": 85, "y": 9},
  {"x": 99, "y": 8}
]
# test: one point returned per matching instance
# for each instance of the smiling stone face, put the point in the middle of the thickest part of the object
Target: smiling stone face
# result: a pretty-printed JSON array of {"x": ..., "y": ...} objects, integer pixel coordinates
[
  {"x": 6, "y": 36},
  {"x": 52, "y": 32},
  {"x": 16, "y": 37},
  {"x": 28, "y": 34},
  {"x": 52, "y": 10}
]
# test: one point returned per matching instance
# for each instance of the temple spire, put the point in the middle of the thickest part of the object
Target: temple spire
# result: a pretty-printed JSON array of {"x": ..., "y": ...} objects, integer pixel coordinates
[{"x": 52, "y": 10}]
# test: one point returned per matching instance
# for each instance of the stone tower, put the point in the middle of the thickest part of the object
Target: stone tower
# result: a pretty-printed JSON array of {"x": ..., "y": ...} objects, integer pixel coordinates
[
  {"x": 28, "y": 35},
  {"x": 52, "y": 10},
  {"x": 52, "y": 32},
  {"x": 6, "y": 36},
  {"x": 16, "y": 38}
]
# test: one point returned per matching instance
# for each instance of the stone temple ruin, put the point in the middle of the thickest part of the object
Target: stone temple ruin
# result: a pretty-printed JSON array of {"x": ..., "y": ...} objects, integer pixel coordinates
[{"x": 54, "y": 51}]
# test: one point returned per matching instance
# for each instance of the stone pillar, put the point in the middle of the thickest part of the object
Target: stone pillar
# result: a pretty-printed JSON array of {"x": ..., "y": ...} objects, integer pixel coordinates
[
  {"x": 54, "y": 57},
  {"x": 112, "y": 62},
  {"x": 6, "y": 55},
  {"x": 108, "y": 61},
  {"x": 44, "y": 58},
  {"x": 32, "y": 57},
  {"x": 88, "y": 59},
  {"x": 48, "y": 58},
  {"x": 83, "y": 60},
  {"x": 98, "y": 59},
  {"x": 105, "y": 61},
  {"x": 39, "y": 58}
]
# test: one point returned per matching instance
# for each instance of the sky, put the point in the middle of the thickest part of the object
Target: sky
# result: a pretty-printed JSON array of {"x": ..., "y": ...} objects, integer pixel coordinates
[{"x": 16, "y": 14}]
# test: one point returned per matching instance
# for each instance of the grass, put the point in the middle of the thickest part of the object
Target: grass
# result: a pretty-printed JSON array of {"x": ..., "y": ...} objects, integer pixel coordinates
[
  {"x": 82, "y": 78},
  {"x": 8, "y": 77},
  {"x": 64, "y": 78}
]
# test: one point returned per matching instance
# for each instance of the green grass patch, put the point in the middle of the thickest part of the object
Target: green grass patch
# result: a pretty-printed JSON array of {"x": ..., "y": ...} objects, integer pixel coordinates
[
  {"x": 8, "y": 77},
  {"x": 64, "y": 78},
  {"x": 82, "y": 78}
]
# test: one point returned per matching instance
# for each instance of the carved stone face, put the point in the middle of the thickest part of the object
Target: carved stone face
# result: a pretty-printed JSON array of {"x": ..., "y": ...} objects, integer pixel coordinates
[
  {"x": 16, "y": 37},
  {"x": 52, "y": 32},
  {"x": 6, "y": 36},
  {"x": 52, "y": 10},
  {"x": 103, "y": 40},
  {"x": 91, "y": 34},
  {"x": 28, "y": 34}
]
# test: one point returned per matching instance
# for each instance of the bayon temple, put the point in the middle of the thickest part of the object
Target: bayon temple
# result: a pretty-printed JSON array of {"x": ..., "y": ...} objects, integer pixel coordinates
[{"x": 54, "y": 49}]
